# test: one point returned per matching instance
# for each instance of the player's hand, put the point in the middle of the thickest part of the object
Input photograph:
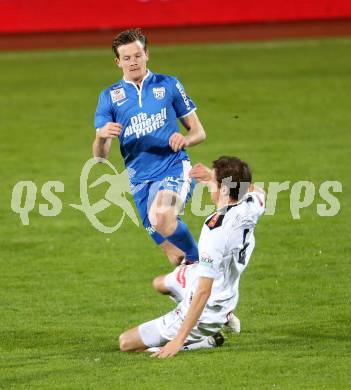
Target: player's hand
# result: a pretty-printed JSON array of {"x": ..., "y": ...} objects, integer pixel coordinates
[
  {"x": 201, "y": 173},
  {"x": 109, "y": 130},
  {"x": 169, "y": 350},
  {"x": 177, "y": 142}
]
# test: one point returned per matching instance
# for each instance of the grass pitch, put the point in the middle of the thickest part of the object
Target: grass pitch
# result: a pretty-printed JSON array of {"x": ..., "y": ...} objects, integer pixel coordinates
[{"x": 67, "y": 290}]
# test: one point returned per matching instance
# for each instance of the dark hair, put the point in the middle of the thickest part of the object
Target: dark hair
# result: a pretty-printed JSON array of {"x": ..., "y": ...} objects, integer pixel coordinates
[
  {"x": 128, "y": 36},
  {"x": 234, "y": 173}
]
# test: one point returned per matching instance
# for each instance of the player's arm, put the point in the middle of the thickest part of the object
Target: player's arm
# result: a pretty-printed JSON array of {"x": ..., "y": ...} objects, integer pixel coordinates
[
  {"x": 197, "y": 306},
  {"x": 105, "y": 125},
  {"x": 103, "y": 139},
  {"x": 196, "y": 133}
]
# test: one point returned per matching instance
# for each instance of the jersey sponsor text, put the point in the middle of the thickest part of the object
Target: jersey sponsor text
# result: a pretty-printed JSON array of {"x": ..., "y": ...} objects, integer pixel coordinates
[
  {"x": 185, "y": 98},
  {"x": 142, "y": 124}
]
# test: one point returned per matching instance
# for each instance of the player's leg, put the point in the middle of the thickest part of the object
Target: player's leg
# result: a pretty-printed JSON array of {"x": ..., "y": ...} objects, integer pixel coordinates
[
  {"x": 216, "y": 340},
  {"x": 163, "y": 215},
  {"x": 141, "y": 196},
  {"x": 150, "y": 334},
  {"x": 233, "y": 321},
  {"x": 174, "y": 254},
  {"x": 167, "y": 199},
  {"x": 159, "y": 285},
  {"x": 130, "y": 340},
  {"x": 174, "y": 283},
  {"x": 158, "y": 332},
  {"x": 172, "y": 234}
]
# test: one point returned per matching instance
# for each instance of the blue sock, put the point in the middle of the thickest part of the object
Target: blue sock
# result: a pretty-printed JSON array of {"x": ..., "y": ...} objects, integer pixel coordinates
[{"x": 183, "y": 240}]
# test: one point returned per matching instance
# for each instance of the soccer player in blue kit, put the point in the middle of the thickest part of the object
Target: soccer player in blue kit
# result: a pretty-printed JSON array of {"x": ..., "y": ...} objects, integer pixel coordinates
[{"x": 141, "y": 110}]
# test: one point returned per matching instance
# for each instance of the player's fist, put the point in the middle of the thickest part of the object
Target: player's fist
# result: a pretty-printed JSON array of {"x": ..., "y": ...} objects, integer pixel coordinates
[
  {"x": 109, "y": 130},
  {"x": 201, "y": 173},
  {"x": 177, "y": 142}
]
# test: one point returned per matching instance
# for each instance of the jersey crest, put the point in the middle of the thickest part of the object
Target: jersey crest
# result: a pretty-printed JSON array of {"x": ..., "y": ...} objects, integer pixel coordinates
[
  {"x": 159, "y": 93},
  {"x": 215, "y": 221}
]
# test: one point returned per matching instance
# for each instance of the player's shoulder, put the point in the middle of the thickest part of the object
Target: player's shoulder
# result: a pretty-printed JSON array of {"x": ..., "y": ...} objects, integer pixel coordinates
[
  {"x": 251, "y": 203},
  {"x": 254, "y": 200},
  {"x": 164, "y": 78},
  {"x": 112, "y": 87},
  {"x": 219, "y": 219},
  {"x": 249, "y": 209},
  {"x": 112, "y": 93}
]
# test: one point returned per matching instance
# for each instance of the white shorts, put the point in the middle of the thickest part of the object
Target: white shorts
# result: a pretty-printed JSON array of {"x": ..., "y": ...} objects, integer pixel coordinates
[{"x": 159, "y": 331}]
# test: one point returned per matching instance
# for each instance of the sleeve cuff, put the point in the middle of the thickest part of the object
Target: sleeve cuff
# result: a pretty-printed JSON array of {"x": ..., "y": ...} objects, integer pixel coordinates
[
  {"x": 206, "y": 272},
  {"x": 188, "y": 113}
]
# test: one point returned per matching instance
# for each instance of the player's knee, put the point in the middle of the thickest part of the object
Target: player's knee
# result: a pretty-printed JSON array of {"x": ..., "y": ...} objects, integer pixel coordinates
[
  {"x": 160, "y": 221},
  {"x": 165, "y": 223},
  {"x": 159, "y": 285},
  {"x": 124, "y": 342},
  {"x": 156, "y": 283},
  {"x": 175, "y": 259},
  {"x": 175, "y": 255}
]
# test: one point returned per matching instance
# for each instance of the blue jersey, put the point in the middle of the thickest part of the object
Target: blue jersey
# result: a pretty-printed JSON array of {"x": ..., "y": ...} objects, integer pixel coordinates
[{"x": 148, "y": 116}]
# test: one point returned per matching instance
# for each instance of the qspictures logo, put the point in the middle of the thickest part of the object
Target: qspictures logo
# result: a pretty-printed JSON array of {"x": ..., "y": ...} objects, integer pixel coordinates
[
  {"x": 302, "y": 194},
  {"x": 24, "y": 197}
]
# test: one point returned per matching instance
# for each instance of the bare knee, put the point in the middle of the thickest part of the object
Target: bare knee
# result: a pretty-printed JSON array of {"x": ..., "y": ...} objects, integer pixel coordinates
[
  {"x": 126, "y": 342},
  {"x": 175, "y": 259},
  {"x": 159, "y": 284},
  {"x": 123, "y": 345},
  {"x": 130, "y": 340},
  {"x": 164, "y": 223},
  {"x": 174, "y": 254},
  {"x": 163, "y": 213}
]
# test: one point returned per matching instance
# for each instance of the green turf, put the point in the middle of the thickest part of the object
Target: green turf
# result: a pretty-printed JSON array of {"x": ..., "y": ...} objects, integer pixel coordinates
[{"x": 67, "y": 290}]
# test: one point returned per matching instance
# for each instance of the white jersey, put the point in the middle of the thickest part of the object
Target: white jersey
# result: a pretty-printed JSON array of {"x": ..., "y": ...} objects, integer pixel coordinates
[{"x": 225, "y": 247}]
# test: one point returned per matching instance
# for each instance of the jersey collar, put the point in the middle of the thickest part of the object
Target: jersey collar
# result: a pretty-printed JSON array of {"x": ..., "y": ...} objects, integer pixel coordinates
[
  {"x": 147, "y": 76},
  {"x": 228, "y": 206},
  {"x": 139, "y": 91},
  {"x": 225, "y": 208}
]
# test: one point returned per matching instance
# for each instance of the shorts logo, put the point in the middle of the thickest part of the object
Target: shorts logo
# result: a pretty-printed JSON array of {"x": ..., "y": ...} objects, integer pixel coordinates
[
  {"x": 159, "y": 93},
  {"x": 206, "y": 259},
  {"x": 117, "y": 95}
]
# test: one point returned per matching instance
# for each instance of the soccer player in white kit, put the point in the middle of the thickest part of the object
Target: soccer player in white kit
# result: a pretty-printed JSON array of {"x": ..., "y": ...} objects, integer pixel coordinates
[{"x": 207, "y": 291}]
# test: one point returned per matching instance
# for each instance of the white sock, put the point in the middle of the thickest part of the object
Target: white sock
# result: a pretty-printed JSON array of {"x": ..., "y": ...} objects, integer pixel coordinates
[
  {"x": 153, "y": 349},
  {"x": 204, "y": 343}
]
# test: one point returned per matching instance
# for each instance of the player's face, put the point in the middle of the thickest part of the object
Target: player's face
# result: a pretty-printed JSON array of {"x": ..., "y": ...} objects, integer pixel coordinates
[
  {"x": 132, "y": 60},
  {"x": 215, "y": 190},
  {"x": 219, "y": 194}
]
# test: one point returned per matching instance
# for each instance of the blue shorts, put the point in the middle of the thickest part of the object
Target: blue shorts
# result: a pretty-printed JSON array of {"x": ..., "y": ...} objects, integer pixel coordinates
[{"x": 176, "y": 179}]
